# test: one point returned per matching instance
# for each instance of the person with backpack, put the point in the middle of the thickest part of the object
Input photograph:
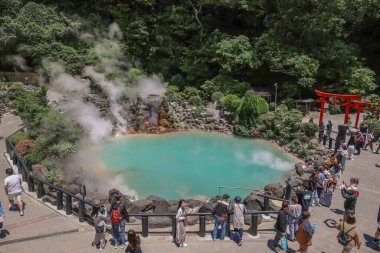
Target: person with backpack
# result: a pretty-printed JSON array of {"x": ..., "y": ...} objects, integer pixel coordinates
[
  {"x": 304, "y": 197},
  {"x": 295, "y": 211},
  {"x": 118, "y": 216},
  {"x": 304, "y": 233},
  {"x": 359, "y": 142},
  {"x": 238, "y": 210},
  {"x": 99, "y": 215},
  {"x": 181, "y": 224},
  {"x": 348, "y": 236},
  {"x": 221, "y": 217},
  {"x": 280, "y": 225},
  {"x": 133, "y": 243}
]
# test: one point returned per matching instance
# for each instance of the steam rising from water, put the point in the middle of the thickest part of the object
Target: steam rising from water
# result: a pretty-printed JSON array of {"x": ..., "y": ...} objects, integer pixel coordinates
[
  {"x": 111, "y": 73},
  {"x": 264, "y": 158}
]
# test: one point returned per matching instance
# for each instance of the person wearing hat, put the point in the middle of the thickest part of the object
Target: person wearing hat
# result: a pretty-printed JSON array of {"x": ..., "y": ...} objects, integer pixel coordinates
[
  {"x": 238, "y": 210},
  {"x": 221, "y": 217}
]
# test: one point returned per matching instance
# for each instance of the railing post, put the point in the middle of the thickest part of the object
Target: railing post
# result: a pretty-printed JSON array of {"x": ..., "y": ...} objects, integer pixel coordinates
[
  {"x": 69, "y": 208},
  {"x": 81, "y": 210},
  {"x": 228, "y": 226},
  {"x": 254, "y": 224},
  {"x": 288, "y": 190},
  {"x": 14, "y": 158},
  {"x": 30, "y": 184},
  {"x": 202, "y": 226},
  {"x": 40, "y": 189},
  {"x": 144, "y": 220},
  {"x": 330, "y": 143},
  {"x": 174, "y": 227},
  {"x": 59, "y": 200},
  {"x": 266, "y": 204}
]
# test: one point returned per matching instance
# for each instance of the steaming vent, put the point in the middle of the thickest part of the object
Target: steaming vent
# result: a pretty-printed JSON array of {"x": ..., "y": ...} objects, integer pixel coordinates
[{"x": 153, "y": 102}]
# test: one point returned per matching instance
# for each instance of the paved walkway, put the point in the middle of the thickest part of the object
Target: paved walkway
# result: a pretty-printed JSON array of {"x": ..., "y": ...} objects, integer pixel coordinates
[{"x": 67, "y": 235}]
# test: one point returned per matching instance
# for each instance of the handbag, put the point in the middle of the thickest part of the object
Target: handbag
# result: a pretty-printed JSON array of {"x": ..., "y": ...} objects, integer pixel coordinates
[
  {"x": 343, "y": 237},
  {"x": 99, "y": 229},
  {"x": 284, "y": 243}
]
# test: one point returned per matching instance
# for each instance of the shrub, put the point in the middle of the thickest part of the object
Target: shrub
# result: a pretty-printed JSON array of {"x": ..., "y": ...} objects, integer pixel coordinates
[
  {"x": 24, "y": 146},
  {"x": 334, "y": 109},
  {"x": 216, "y": 97},
  {"x": 231, "y": 102},
  {"x": 61, "y": 150},
  {"x": 374, "y": 125},
  {"x": 269, "y": 134},
  {"x": 310, "y": 129},
  {"x": 241, "y": 130},
  {"x": 289, "y": 102},
  {"x": 252, "y": 106},
  {"x": 20, "y": 136},
  {"x": 195, "y": 100},
  {"x": 190, "y": 92},
  {"x": 53, "y": 176}
]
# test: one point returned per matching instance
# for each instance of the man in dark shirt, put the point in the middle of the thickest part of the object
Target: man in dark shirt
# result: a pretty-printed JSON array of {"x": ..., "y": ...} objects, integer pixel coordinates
[
  {"x": 281, "y": 224},
  {"x": 221, "y": 217}
]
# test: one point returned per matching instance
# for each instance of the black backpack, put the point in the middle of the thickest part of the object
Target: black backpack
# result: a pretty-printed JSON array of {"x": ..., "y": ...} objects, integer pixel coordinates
[{"x": 343, "y": 237}]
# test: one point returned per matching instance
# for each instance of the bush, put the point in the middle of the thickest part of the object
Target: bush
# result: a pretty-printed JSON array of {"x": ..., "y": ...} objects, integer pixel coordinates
[
  {"x": 269, "y": 134},
  {"x": 198, "y": 110},
  {"x": 53, "y": 176},
  {"x": 216, "y": 97},
  {"x": 374, "y": 125},
  {"x": 190, "y": 92},
  {"x": 334, "y": 109},
  {"x": 241, "y": 130},
  {"x": 289, "y": 102},
  {"x": 195, "y": 100},
  {"x": 231, "y": 102},
  {"x": 310, "y": 129},
  {"x": 252, "y": 106},
  {"x": 24, "y": 146},
  {"x": 20, "y": 136}
]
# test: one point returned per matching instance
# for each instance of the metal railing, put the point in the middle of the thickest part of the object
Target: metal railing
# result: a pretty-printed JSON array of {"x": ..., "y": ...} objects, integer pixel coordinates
[
  {"x": 65, "y": 199},
  {"x": 234, "y": 187}
]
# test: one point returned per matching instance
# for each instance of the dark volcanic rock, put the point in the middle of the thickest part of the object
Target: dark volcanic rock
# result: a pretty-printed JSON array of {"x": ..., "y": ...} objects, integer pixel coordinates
[
  {"x": 275, "y": 189},
  {"x": 300, "y": 168},
  {"x": 160, "y": 204},
  {"x": 141, "y": 205},
  {"x": 39, "y": 171},
  {"x": 192, "y": 203}
]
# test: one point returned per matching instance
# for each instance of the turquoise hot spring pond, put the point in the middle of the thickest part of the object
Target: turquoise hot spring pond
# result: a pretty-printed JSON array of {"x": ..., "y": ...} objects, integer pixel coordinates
[{"x": 191, "y": 165}]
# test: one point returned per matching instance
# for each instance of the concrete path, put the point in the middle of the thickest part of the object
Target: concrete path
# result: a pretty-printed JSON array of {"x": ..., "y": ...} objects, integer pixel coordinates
[{"x": 41, "y": 220}]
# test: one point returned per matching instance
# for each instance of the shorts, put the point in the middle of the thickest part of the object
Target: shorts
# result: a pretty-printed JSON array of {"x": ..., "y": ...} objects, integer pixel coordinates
[
  {"x": 16, "y": 196},
  {"x": 303, "y": 248}
]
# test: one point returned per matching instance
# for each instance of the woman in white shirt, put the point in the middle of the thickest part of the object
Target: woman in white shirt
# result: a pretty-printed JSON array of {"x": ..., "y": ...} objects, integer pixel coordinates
[
  {"x": 295, "y": 211},
  {"x": 181, "y": 224}
]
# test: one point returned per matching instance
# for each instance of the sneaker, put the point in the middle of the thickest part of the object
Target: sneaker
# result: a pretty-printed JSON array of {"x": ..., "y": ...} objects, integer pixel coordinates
[
  {"x": 181, "y": 244},
  {"x": 184, "y": 245},
  {"x": 241, "y": 242},
  {"x": 115, "y": 247},
  {"x": 122, "y": 246},
  {"x": 21, "y": 213}
]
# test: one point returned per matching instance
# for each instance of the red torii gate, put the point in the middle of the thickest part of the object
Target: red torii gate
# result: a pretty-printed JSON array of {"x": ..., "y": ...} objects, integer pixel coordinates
[{"x": 348, "y": 103}]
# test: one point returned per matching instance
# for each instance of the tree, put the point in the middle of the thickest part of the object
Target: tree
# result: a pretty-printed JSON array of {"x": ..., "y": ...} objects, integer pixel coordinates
[{"x": 252, "y": 106}]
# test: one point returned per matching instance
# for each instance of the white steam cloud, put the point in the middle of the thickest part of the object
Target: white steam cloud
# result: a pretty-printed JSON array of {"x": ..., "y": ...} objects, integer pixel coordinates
[
  {"x": 265, "y": 158},
  {"x": 151, "y": 86},
  {"x": 18, "y": 61}
]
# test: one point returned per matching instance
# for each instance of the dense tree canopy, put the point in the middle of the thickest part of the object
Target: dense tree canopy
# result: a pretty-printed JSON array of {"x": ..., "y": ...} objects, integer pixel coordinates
[{"x": 333, "y": 45}]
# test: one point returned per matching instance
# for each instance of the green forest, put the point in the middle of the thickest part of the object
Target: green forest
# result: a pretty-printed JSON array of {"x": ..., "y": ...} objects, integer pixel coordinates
[{"x": 213, "y": 45}]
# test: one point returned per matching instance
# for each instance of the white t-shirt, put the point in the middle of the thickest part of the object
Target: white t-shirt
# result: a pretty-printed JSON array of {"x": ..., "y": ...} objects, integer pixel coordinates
[{"x": 14, "y": 184}]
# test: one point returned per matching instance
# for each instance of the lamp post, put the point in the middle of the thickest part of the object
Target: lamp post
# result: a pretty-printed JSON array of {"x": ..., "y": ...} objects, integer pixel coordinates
[{"x": 275, "y": 96}]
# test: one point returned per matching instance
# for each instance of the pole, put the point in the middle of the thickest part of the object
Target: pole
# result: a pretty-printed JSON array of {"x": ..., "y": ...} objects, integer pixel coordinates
[{"x": 275, "y": 96}]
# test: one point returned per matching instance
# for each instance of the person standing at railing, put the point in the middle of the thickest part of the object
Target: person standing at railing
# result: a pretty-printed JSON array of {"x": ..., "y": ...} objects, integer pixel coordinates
[
  {"x": 295, "y": 211},
  {"x": 329, "y": 130},
  {"x": 13, "y": 188},
  {"x": 221, "y": 217},
  {"x": 118, "y": 216},
  {"x": 99, "y": 215},
  {"x": 181, "y": 224},
  {"x": 281, "y": 224},
  {"x": 239, "y": 210}
]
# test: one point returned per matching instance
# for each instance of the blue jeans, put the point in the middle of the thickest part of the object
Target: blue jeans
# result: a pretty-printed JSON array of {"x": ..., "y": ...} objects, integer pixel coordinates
[
  {"x": 293, "y": 227},
  {"x": 116, "y": 233},
  {"x": 217, "y": 223},
  {"x": 239, "y": 234}
]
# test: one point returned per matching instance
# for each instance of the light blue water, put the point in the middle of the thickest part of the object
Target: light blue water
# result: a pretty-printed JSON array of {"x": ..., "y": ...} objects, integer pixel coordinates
[{"x": 193, "y": 164}]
